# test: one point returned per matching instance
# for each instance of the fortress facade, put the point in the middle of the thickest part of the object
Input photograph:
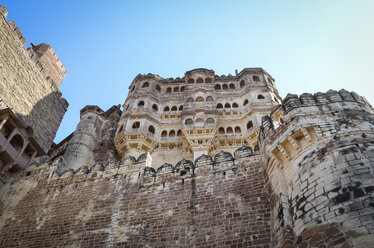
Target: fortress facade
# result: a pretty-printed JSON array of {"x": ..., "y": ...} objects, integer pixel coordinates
[{"x": 198, "y": 161}]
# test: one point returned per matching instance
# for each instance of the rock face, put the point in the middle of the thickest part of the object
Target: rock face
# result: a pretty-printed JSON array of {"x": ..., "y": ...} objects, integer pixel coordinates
[{"x": 198, "y": 161}]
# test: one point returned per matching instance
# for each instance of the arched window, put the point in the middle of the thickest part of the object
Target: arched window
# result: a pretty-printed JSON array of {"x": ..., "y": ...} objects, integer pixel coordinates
[
  {"x": 242, "y": 83},
  {"x": 200, "y": 99},
  {"x": 199, "y": 81},
  {"x": 229, "y": 130},
  {"x": 166, "y": 108},
  {"x": 145, "y": 84},
  {"x": 227, "y": 105},
  {"x": 256, "y": 78},
  {"x": 219, "y": 106},
  {"x": 245, "y": 102},
  {"x": 151, "y": 129},
  {"x": 191, "y": 81},
  {"x": 249, "y": 124},
  {"x": 158, "y": 88},
  {"x": 132, "y": 89},
  {"x": 208, "y": 80},
  {"x": 217, "y": 86},
  {"x": 174, "y": 108},
  {"x": 221, "y": 130},
  {"x": 181, "y": 108},
  {"x": 235, "y": 105},
  {"x": 200, "y": 120},
  {"x": 260, "y": 97},
  {"x": 179, "y": 133},
  {"x": 224, "y": 87},
  {"x": 176, "y": 89},
  {"x": 136, "y": 125},
  {"x": 188, "y": 121},
  {"x": 155, "y": 107},
  {"x": 210, "y": 120},
  {"x": 232, "y": 86},
  {"x": 209, "y": 99},
  {"x": 17, "y": 142},
  {"x": 238, "y": 130},
  {"x": 171, "y": 133},
  {"x": 168, "y": 90},
  {"x": 141, "y": 103},
  {"x": 164, "y": 133},
  {"x": 182, "y": 88},
  {"x": 190, "y": 99}
]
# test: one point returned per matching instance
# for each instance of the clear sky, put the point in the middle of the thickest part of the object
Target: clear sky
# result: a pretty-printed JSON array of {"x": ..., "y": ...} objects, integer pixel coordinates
[{"x": 307, "y": 46}]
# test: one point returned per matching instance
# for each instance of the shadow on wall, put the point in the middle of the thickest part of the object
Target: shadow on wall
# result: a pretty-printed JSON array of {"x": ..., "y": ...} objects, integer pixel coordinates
[{"x": 45, "y": 118}]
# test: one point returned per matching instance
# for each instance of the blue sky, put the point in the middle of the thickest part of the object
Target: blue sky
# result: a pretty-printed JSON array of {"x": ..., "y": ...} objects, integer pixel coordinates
[{"x": 307, "y": 46}]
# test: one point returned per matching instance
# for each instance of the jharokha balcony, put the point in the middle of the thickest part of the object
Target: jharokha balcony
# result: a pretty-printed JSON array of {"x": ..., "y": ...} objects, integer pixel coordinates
[{"x": 17, "y": 145}]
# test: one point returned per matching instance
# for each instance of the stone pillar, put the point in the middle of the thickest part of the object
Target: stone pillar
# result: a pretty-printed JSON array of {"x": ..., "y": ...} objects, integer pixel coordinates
[{"x": 79, "y": 151}]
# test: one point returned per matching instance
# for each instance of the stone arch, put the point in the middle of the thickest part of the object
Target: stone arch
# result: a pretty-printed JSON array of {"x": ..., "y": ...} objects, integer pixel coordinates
[
  {"x": 235, "y": 105},
  {"x": 232, "y": 86},
  {"x": 229, "y": 130},
  {"x": 225, "y": 87},
  {"x": 199, "y": 81},
  {"x": 256, "y": 78},
  {"x": 200, "y": 99},
  {"x": 217, "y": 87},
  {"x": 158, "y": 88},
  {"x": 145, "y": 84},
  {"x": 179, "y": 133},
  {"x": 190, "y": 99},
  {"x": 176, "y": 89},
  {"x": 221, "y": 130},
  {"x": 182, "y": 89},
  {"x": 164, "y": 133},
  {"x": 208, "y": 80},
  {"x": 136, "y": 125},
  {"x": 209, "y": 99},
  {"x": 171, "y": 133},
  {"x": 238, "y": 129},
  {"x": 140, "y": 103},
  {"x": 200, "y": 120},
  {"x": 191, "y": 81},
  {"x": 249, "y": 124},
  {"x": 168, "y": 90},
  {"x": 227, "y": 105},
  {"x": 242, "y": 83},
  {"x": 260, "y": 97},
  {"x": 180, "y": 107},
  {"x": 151, "y": 129},
  {"x": 210, "y": 120},
  {"x": 132, "y": 89},
  {"x": 174, "y": 108},
  {"x": 245, "y": 102},
  {"x": 219, "y": 106},
  {"x": 166, "y": 109},
  {"x": 189, "y": 121},
  {"x": 155, "y": 107}
]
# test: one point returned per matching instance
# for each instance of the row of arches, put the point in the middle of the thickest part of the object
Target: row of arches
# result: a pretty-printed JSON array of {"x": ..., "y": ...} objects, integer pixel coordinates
[
  {"x": 172, "y": 133},
  {"x": 237, "y": 129},
  {"x": 167, "y": 108},
  {"x": 200, "y": 99},
  {"x": 235, "y": 105},
  {"x": 207, "y": 80},
  {"x": 158, "y": 88},
  {"x": 189, "y": 121}
]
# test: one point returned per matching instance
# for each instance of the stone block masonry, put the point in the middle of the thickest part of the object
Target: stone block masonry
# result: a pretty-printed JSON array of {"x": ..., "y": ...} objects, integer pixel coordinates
[{"x": 26, "y": 86}]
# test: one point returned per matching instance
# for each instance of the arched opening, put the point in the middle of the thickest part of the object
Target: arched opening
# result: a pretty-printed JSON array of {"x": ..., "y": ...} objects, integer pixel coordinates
[
  {"x": 208, "y": 80},
  {"x": 155, "y": 107},
  {"x": 209, "y": 99},
  {"x": 219, "y": 106},
  {"x": 242, "y": 83},
  {"x": 136, "y": 125},
  {"x": 256, "y": 78},
  {"x": 200, "y": 99},
  {"x": 190, "y": 99},
  {"x": 181, "y": 108},
  {"x": 260, "y": 97},
  {"x": 229, "y": 130},
  {"x": 182, "y": 88},
  {"x": 245, "y": 102},
  {"x": 232, "y": 86},
  {"x": 168, "y": 90},
  {"x": 209, "y": 120},
  {"x": 179, "y": 133},
  {"x": 224, "y": 87},
  {"x": 174, "y": 108},
  {"x": 200, "y": 120},
  {"x": 235, "y": 105},
  {"x": 158, "y": 88},
  {"x": 164, "y": 133},
  {"x": 217, "y": 87},
  {"x": 199, "y": 81},
  {"x": 145, "y": 84},
  {"x": 249, "y": 124},
  {"x": 221, "y": 130},
  {"x": 176, "y": 89},
  {"x": 141, "y": 103},
  {"x": 238, "y": 130},
  {"x": 132, "y": 89},
  {"x": 171, "y": 133},
  {"x": 17, "y": 142},
  {"x": 191, "y": 81},
  {"x": 166, "y": 108},
  {"x": 227, "y": 105},
  {"x": 151, "y": 129},
  {"x": 188, "y": 122}
]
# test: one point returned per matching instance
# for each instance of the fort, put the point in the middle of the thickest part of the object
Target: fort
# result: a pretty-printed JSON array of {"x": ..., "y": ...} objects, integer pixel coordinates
[{"x": 197, "y": 161}]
